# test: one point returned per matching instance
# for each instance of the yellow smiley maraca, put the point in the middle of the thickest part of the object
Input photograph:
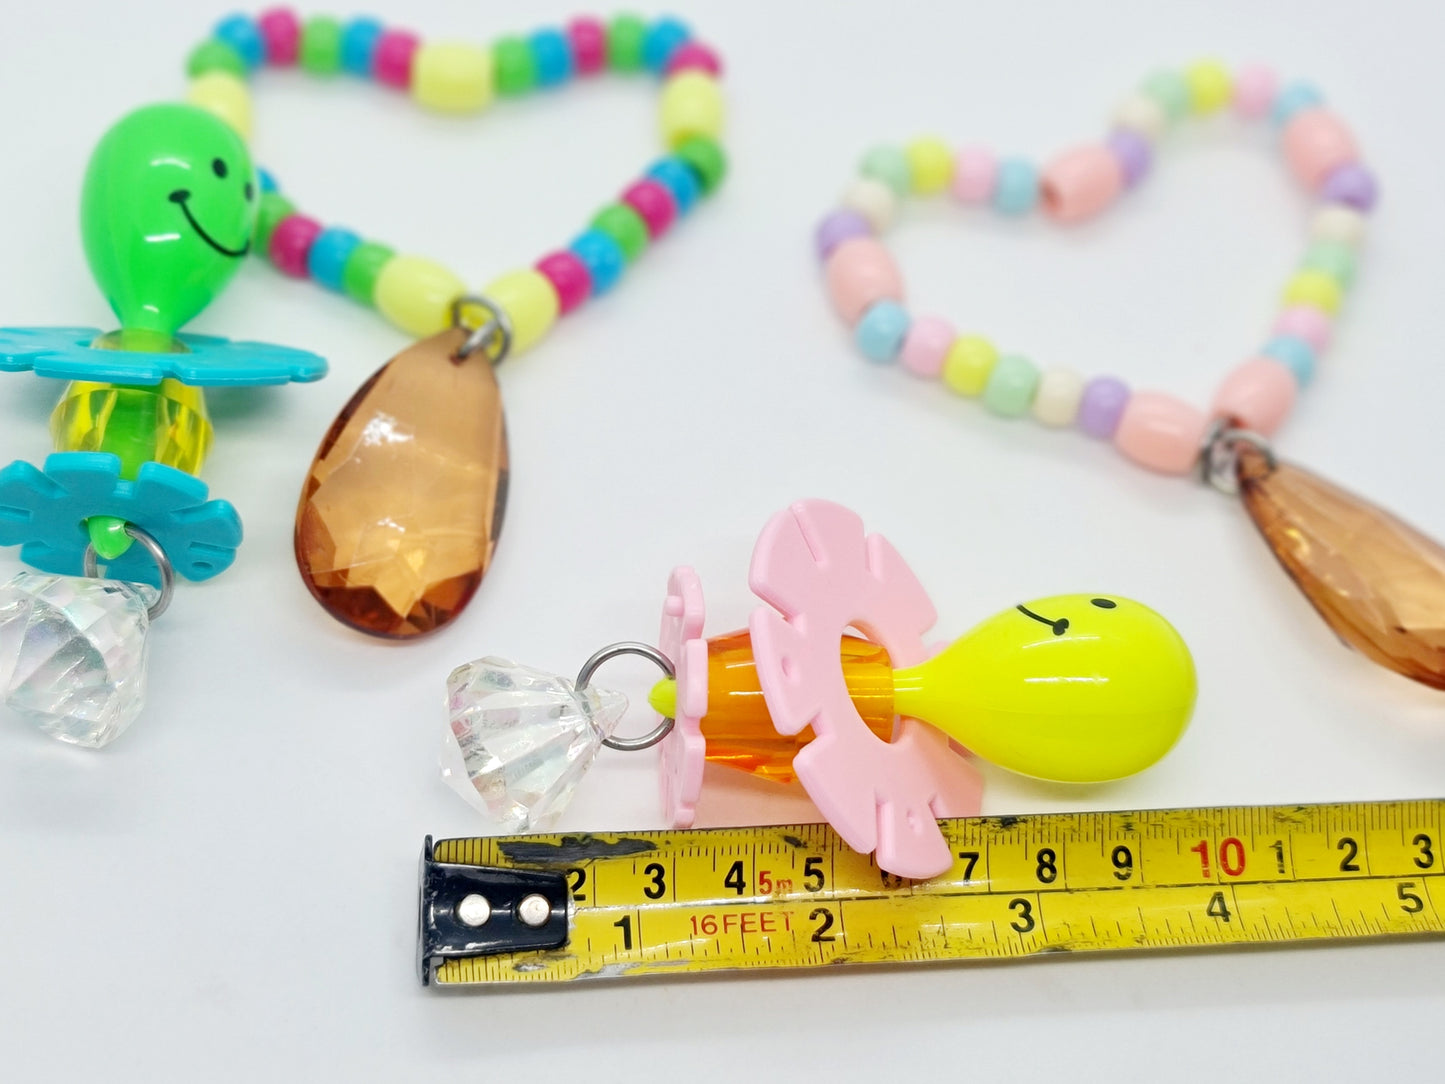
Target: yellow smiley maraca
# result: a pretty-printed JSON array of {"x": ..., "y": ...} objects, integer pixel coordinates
[{"x": 1073, "y": 688}]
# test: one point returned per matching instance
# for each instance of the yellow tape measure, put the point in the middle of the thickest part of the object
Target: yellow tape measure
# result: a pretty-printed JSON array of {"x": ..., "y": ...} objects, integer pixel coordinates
[{"x": 550, "y": 908}]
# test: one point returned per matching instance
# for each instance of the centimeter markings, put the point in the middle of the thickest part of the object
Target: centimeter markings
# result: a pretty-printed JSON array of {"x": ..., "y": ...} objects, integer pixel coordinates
[{"x": 797, "y": 896}]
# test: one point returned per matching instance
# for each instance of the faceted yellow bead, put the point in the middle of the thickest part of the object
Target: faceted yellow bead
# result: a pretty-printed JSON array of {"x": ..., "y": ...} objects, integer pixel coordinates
[
  {"x": 968, "y": 364},
  {"x": 1315, "y": 288},
  {"x": 530, "y": 302},
  {"x": 452, "y": 77},
  {"x": 165, "y": 424},
  {"x": 222, "y": 94},
  {"x": 692, "y": 105},
  {"x": 416, "y": 294},
  {"x": 930, "y": 165},
  {"x": 1210, "y": 87}
]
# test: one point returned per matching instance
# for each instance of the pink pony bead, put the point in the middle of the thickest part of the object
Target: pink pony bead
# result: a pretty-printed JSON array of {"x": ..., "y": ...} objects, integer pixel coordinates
[
  {"x": 392, "y": 61},
  {"x": 1316, "y": 143},
  {"x": 654, "y": 203},
  {"x": 1080, "y": 183},
  {"x": 569, "y": 277},
  {"x": 291, "y": 242},
  {"x": 926, "y": 345},
  {"x": 1161, "y": 432},
  {"x": 1257, "y": 395},
  {"x": 281, "y": 31},
  {"x": 1254, "y": 91},
  {"x": 588, "y": 38},
  {"x": 860, "y": 272},
  {"x": 696, "y": 56},
  {"x": 974, "y": 173},
  {"x": 1308, "y": 323}
]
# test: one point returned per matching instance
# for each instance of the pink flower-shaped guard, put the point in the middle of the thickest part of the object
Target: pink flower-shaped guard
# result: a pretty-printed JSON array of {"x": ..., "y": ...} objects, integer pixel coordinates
[
  {"x": 815, "y": 565},
  {"x": 684, "y": 749}
]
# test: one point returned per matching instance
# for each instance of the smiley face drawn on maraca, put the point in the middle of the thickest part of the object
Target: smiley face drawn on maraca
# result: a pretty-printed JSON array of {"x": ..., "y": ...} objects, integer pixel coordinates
[
  {"x": 167, "y": 210},
  {"x": 1072, "y": 688}
]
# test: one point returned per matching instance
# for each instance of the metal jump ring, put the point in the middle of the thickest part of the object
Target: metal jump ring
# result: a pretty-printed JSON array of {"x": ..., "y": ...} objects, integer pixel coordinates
[
  {"x": 647, "y": 651},
  {"x": 91, "y": 565},
  {"x": 493, "y": 336},
  {"x": 1218, "y": 459}
]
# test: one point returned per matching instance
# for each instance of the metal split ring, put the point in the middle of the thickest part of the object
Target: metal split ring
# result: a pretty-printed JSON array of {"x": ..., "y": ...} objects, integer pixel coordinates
[
  {"x": 646, "y": 651},
  {"x": 91, "y": 565},
  {"x": 1218, "y": 459},
  {"x": 493, "y": 337}
]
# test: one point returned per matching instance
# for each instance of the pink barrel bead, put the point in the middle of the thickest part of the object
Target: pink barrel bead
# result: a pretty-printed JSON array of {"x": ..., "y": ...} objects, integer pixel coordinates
[
  {"x": 654, "y": 203},
  {"x": 291, "y": 242},
  {"x": 974, "y": 173},
  {"x": 926, "y": 345},
  {"x": 695, "y": 56},
  {"x": 1257, "y": 395},
  {"x": 569, "y": 277},
  {"x": 1254, "y": 91},
  {"x": 1161, "y": 432},
  {"x": 1316, "y": 143},
  {"x": 859, "y": 273},
  {"x": 281, "y": 31},
  {"x": 1308, "y": 323},
  {"x": 1080, "y": 183},
  {"x": 588, "y": 38},
  {"x": 392, "y": 61}
]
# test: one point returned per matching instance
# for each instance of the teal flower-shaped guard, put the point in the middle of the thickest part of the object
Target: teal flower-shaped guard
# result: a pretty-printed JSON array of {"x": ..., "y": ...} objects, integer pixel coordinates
[
  {"x": 44, "y": 512},
  {"x": 210, "y": 361}
]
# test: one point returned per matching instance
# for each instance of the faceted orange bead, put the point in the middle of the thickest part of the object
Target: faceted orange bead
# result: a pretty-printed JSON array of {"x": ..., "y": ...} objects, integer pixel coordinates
[
  {"x": 1378, "y": 582},
  {"x": 403, "y": 503},
  {"x": 737, "y": 727}
]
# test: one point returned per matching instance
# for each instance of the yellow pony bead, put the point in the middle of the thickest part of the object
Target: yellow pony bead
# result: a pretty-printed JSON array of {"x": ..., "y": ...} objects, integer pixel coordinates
[
  {"x": 530, "y": 302},
  {"x": 416, "y": 294},
  {"x": 930, "y": 165},
  {"x": 692, "y": 105},
  {"x": 1210, "y": 86},
  {"x": 1074, "y": 688},
  {"x": 968, "y": 364},
  {"x": 1318, "y": 289},
  {"x": 452, "y": 77},
  {"x": 222, "y": 94}
]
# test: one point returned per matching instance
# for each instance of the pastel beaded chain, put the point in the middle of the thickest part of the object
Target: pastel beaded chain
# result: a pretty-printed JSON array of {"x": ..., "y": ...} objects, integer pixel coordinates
[
  {"x": 416, "y": 294},
  {"x": 1152, "y": 428},
  {"x": 1378, "y": 582}
]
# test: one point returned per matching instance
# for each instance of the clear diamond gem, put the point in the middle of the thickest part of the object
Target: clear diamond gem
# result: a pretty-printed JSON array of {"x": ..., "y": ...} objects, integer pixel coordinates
[
  {"x": 520, "y": 739},
  {"x": 73, "y": 654}
]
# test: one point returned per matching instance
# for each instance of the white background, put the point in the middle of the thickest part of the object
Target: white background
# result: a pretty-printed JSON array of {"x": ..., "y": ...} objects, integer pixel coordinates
[{"x": 229, "y": 891}]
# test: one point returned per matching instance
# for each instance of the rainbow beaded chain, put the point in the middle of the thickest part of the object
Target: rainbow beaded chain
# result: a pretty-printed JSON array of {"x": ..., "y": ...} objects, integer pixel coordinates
[
  {"x": 1152, "y": 428},
  {"x": 415, "y": 293}
]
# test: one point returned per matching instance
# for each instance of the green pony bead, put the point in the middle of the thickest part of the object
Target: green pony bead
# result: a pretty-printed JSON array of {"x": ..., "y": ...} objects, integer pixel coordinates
[
  {"x": 1011, "y": 386},
  {"x": 1170, "y": 91},
  {"x": 215, "y": 56},
  {"x": 705, "y": 158},
  {"x": 626, "y": 35},
  {"x": 274, "y": 207},
  {"x": 320, "y": 52},
  {"x": 515, "y": 66},
  {"x": 362, "y": 269},
  {"x": 889, "y": 165},
  {"x": 166, "y": 213},
  {"x": 1334, "y": 258},
  {"x": 625, "y": 226}
]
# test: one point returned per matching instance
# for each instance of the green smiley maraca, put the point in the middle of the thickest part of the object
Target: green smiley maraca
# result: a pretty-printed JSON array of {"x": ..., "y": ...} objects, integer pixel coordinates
[
  {"x": 166, "y": 215},
  {"x": 168, "y": 207}
]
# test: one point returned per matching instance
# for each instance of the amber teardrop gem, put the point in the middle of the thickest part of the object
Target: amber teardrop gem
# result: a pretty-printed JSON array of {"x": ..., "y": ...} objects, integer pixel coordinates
[
  {"x": 403, "y": 503},
  {"x": 1377, "y": 581}
]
